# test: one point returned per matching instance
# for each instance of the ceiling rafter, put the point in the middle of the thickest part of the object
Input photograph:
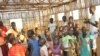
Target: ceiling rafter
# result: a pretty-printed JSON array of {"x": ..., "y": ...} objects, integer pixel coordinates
[{"x": 24, "y": 4}]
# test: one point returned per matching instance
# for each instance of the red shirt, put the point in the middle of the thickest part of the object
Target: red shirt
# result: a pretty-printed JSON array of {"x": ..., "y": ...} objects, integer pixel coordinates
[
  {"x": 17, "y": 50},
  {"x": 2, "y": 38},
  {"x": 4, "y": 28}
]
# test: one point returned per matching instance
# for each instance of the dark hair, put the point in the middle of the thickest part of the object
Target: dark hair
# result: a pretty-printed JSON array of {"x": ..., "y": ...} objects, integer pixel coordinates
[
  {"x": 30, "y": 33},
  {"x": 12, "y": 40},
  {"x": 9, "y": 36},
  {"x": 71, "y": 17},
  {"x": 56, "y": 39},
  {"x": 44, "y": 41},
  {"x": 12, "y": 23},
  {"x": 1, "y": 23},
  {"x": 51, "y": 20},
  {"x": 36, "y": 28},
  {"x": 64, "y": 18},
  {"x": 84, "y": 32}
]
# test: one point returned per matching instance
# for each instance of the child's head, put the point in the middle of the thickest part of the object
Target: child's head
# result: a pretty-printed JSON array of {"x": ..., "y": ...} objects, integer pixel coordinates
[
  {"x": 84, "y": 32},
  {"x": 9, "y": 36},
  {"x": 65, "y": 30},
  {"x": 51, "y": 20},
  {"x": 13, "y": 41},
  {"x": 70, "y": 19},
  {"x": 30, "y": 33},
  {"x": 64, "y": 18},
  {"x": 84, "y": 29},
  {"x": 56, "y": 41},
  {"x": 60, "y": 33},
  {"x": 42, "y": 42}
]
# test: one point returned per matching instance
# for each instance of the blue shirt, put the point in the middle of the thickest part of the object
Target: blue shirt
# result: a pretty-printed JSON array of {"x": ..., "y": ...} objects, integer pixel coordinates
[{"x": 35, "y": 49}]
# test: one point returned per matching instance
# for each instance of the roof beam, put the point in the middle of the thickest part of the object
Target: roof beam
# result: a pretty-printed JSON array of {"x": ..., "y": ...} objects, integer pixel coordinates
[{"x": 28, "y": 4}]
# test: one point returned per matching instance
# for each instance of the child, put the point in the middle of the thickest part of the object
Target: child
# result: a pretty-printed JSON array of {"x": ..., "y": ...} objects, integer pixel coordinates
[
  {"x": 65, "y": 41},
  {"x": 84, "y": 36},
  {"x": 43, "y": 49},
  {"x": 48, "y": 42},
  {"x": 16, "y": 49},
  {"x": 56, "y": 47},
  {"x": 33, "y": 45}
]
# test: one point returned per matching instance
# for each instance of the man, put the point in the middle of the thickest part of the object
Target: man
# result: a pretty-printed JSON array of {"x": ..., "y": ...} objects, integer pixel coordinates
[
  {"x": 93, "y": 29},
  {"x": 52, "y": 27},
  {"x": 64, "y": 20},
  {"x": 13, "y": 29}
]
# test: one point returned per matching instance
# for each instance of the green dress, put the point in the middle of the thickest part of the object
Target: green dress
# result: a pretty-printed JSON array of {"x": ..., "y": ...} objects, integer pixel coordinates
[
  {"x": 65, "y": 40},
  {"x": 85, "y": 49}
]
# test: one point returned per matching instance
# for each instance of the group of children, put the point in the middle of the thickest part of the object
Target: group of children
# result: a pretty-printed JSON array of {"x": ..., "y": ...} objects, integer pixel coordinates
[{"x": 67, "y": 40}]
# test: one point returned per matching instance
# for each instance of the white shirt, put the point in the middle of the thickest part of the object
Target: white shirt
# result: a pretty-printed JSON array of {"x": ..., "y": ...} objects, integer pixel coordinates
[
  {"x": 45, "y": 50},
  {"x": 52, "y": 27},
  {"x": 65, "y": 23},
  {"x": 93, "y": 28}
]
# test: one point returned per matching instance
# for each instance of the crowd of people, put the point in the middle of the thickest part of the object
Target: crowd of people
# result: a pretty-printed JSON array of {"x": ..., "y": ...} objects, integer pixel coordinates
[{"x": 66, "y": 40}]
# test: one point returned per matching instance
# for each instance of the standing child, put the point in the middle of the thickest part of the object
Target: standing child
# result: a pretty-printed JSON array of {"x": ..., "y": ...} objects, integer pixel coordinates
[
  {"x": 43, "y": 49},
  {"x": 84, "y": 36},
  {"x": 33, "y": 45},
  {"x": 56, "y": 47}
]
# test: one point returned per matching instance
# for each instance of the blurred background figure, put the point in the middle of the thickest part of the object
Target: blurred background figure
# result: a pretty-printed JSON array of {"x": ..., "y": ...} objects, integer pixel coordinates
[
  {"x": 2, "y": 27},
  {"x": 33, "y": 44},
  {"x": 56, "y": 47},
  {"x": 16, "y": 49},
  {"x": 43, "y": 47},
  {"x": 13, "y": 29}
]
